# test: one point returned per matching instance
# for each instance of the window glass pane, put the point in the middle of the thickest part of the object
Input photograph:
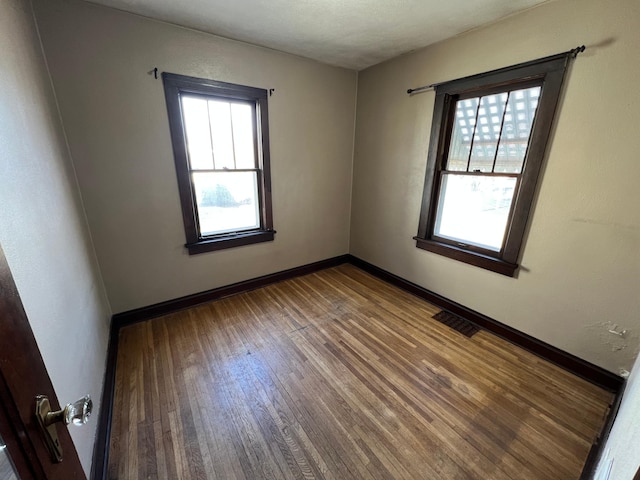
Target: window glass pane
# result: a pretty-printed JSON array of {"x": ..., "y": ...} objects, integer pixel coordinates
[
  {"x": 463, "y": 128},
  {"x": 474, "y": 209},
  {"x": 220, "y": 118},
  {"x": 227, "y": 201},
  {"x": 196, "y": 125},
  {"x": 487, "y": 134},
  {"x": 518, "y": 120},
  {"x": 242, "y": 115}
]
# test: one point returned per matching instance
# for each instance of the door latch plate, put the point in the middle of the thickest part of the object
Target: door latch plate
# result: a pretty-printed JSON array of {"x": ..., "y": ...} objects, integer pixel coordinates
[{"x": 43, "y": 407}]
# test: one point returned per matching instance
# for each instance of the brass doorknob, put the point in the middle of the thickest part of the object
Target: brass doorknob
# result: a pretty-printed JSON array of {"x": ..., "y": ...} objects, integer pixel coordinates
[{"x": 77, "y": 413}]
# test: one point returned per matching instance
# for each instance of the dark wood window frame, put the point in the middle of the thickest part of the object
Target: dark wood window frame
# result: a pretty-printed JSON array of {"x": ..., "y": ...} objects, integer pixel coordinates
[
  {"x": 177, "y": 85},
  {"x": 546, "y": 72}
]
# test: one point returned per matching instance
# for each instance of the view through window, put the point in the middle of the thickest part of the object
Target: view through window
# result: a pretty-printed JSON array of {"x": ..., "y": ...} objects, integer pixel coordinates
[{"x": 221, "y": 150}]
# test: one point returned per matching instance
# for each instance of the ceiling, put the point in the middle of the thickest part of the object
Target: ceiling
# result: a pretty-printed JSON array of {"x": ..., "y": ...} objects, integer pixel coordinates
[{"x": 348, "y": 33}]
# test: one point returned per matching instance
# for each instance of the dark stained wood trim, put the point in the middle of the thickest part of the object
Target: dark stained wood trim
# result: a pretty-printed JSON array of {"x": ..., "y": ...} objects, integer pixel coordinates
[
  {"x": 103, "y": 431},
  {"x": 504, "y": 76},
  {"x": 264, "y": 156},
  {"x": 595, "y": 453},
  {"x": 436, "y": 144},
  {"x": 230, "y": 241},
  {"x": 593, "y": 373},
  {"x": 145, "y": 313},
  {"x": 473, "y": 258},
  {"x": 176, "y": 130}
]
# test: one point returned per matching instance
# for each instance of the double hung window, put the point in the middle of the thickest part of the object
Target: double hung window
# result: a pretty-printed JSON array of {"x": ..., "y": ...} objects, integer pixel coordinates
[
  {"x": 488, "y": 139},
  {"x": 221, "y": 150}
]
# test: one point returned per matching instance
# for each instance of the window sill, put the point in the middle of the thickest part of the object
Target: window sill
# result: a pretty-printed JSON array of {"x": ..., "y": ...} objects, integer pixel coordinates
[
  {"x": 466, "y": 256},
  {"x": 230, "y": 241}
]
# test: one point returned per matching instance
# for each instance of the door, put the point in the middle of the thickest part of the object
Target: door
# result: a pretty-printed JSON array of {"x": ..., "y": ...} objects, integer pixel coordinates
[{"x": 22, "y": 377}]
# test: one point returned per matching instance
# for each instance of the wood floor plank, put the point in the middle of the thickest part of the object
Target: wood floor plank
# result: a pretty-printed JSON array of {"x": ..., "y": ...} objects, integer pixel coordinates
[{"x": 338, "y": 375}]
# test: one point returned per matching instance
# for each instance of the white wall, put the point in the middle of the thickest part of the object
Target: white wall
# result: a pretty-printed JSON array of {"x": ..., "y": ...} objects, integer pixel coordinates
[
  {"x": 622, "y": 450},
  {"x": 43, "y": 231},
  {"x": 116, "y": 120},
  {"x": 581, "y": 263}
]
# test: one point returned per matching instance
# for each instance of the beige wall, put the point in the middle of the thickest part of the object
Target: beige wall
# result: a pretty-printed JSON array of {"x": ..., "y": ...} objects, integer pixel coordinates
[
  {"x": 581, "y": 264},
  {"x": 115, "y": 117},
  {"x": 43, "y": 231}
]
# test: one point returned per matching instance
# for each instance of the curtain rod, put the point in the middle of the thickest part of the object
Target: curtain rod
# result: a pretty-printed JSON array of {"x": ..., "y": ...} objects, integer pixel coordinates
[
  {"x": 154, "y": 72},
  {"x": 573, "y": 53}
]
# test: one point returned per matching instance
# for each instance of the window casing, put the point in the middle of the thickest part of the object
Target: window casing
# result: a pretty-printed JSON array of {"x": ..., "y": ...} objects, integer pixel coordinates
[
  {"x": 220, "y": 137},
  {"x": 488, "y": 139}
]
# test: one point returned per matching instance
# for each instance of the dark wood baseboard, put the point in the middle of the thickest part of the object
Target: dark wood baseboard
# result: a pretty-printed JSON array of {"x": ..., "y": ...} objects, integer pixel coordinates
[
  {"x": 163, "y": 308},
  {"x": 594, "y": 374},
  {"x": 582, "y": 368},
  {"x": 103, "y": 432},
  {"x": 595, "y": 453}
]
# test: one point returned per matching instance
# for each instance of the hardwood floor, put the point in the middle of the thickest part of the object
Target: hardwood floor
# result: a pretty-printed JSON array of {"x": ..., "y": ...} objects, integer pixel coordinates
[{"x": 338, "y": 375}]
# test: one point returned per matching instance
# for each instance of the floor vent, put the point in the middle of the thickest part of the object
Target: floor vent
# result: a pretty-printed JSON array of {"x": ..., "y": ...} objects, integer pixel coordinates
[{"x": 459, "y": 324}]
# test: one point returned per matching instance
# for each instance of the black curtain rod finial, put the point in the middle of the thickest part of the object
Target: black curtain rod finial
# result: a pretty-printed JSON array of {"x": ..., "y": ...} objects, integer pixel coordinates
[
  {"x": 420, "y": 89},
  {"x": 577, "y": 50}
]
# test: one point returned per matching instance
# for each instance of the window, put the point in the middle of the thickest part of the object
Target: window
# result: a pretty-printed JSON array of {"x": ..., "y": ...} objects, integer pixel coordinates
[
  {"x": 488, "y": 139},
  {"x": 220, "y": 136}
]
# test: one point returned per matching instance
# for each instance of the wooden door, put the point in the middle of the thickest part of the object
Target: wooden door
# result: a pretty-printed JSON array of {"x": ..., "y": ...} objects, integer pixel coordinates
[{"x": 22, "y": 377}]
